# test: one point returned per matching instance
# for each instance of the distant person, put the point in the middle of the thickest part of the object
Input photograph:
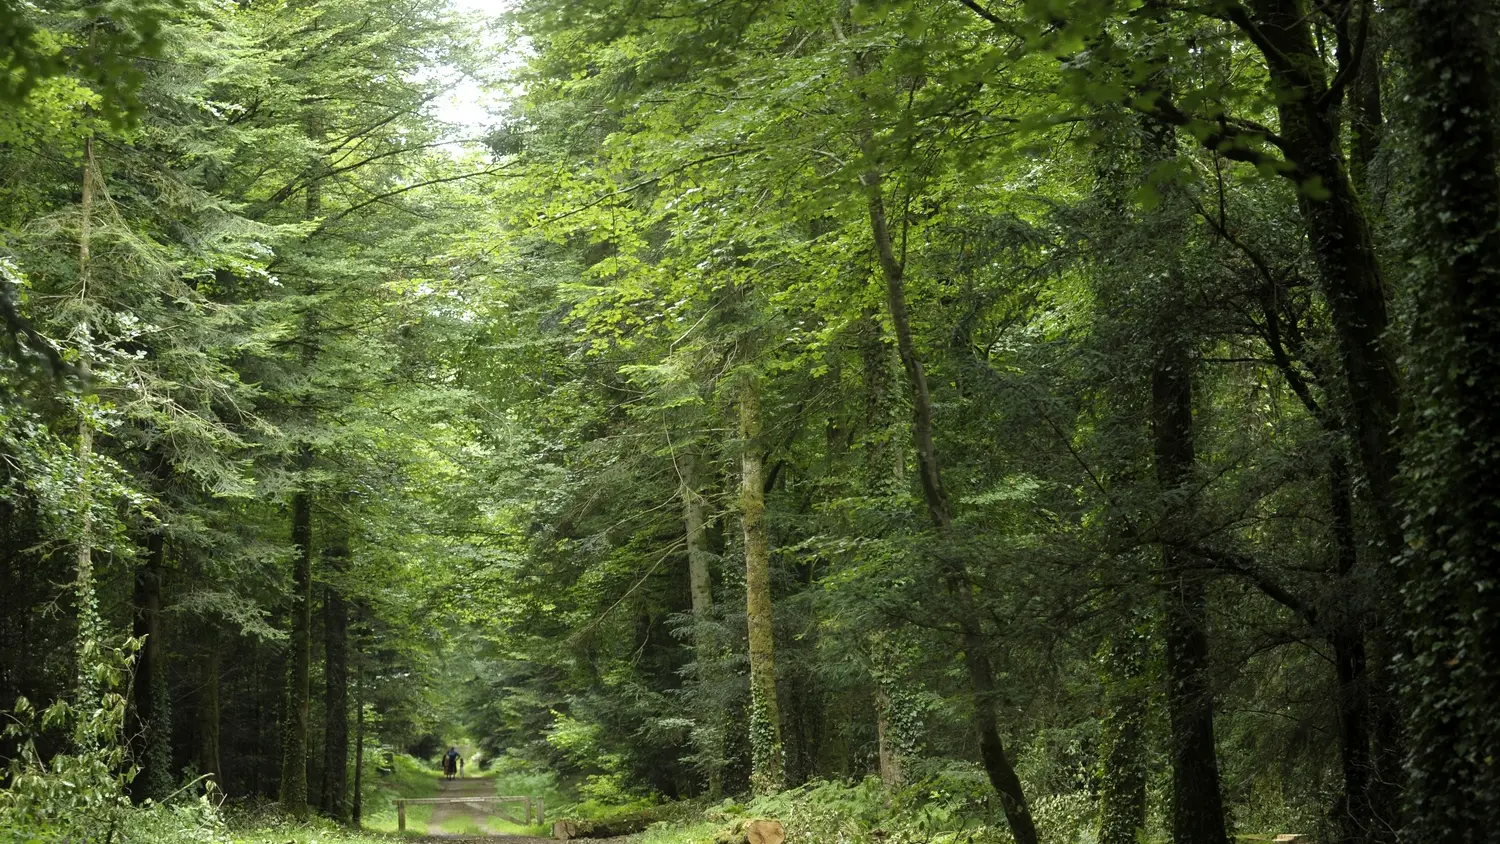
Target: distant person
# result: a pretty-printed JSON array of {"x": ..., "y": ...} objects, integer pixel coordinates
[
  {"x": 460, "y": 766},
  {"x": 450, "y": 763}
]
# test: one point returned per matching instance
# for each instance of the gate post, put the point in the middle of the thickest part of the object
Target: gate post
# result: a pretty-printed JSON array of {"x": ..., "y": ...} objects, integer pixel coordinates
[
  {"x": 541, "y": 812},
  {"x": 401, "y": 815}
]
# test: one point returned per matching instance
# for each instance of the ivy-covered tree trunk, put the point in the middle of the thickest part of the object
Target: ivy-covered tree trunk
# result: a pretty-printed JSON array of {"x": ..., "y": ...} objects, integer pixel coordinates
[
  {"x": 1127, "y": 681},
  {"x": 997, "y": 765},
  {"x": 767, "y": 758},
  {"x": 897, "y": 726},
  {"x": 1122, "y": 763},
  {"x": 1452, "y": 565},
  {"x": 90, "y": 626},
  {"x": 888, "y": 753}
]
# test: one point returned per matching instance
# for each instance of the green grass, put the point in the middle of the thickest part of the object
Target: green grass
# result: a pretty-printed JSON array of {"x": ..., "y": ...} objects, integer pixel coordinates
[
  {"x": 463, "y": 826},
  {"x": 408, "y": 778},
  {"x": 311, "y": 834},
  {"x": 684, "y": 833}
]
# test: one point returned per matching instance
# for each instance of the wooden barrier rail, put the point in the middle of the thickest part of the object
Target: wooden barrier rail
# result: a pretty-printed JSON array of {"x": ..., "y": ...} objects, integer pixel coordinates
[{"x": 532, "y": 806}]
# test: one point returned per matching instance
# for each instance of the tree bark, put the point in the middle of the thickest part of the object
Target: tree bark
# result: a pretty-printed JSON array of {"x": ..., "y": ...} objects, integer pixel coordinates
[
  {"x": 356, "y": 806},
  {"x": 293, "y": 788},
  {"x": 90, "y": 626},
  {"x": 888, "y": 754},
  {"x": 981, "y": 675},
  {"x": 767, "y": 757},
  {"x": 1452, "y": 678},
  {"x": 708, "y": 735},
  {"x": 1122, "y": 774},
  {"x": 700, "y": 583},
  {"x": 152, "y": 697},
  {"x": 1353, "y": 814},
  {"x": 1366, "y": 114},
  {"x": 208, "y": 711},
  {"x": 1197, "y": 797},
  {"x": 292, "y": 792},
  {"x": 1197, "y": 803},
  {"x": 1339, "y": 232},
  {"x": 335, "y": 797}
]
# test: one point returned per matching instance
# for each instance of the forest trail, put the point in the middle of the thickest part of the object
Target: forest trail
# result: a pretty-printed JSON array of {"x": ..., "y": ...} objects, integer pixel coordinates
[
  {"x": 466, "y": 816},
  {"x": 471, "y": 817}
]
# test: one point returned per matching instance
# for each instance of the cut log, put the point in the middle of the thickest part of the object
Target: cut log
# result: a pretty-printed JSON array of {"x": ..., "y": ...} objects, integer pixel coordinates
[
  {"x": 765, "y": 832},
  {"x": 570, "y": 829},
  {"x": 756, "y": 831}
]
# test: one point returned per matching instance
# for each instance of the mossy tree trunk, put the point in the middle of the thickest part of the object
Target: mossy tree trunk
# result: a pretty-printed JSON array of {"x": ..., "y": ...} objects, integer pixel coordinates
[
  {"x": 1122, "y": 763},
  {"x": 768, "y": 773}
]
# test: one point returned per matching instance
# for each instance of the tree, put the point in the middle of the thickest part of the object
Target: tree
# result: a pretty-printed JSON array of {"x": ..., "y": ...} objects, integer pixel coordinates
[{"x": 1450, "y": 557}]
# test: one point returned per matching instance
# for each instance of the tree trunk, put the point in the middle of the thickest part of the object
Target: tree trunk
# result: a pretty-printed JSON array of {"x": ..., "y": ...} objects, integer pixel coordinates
[
  {"x": 1452, "y": 677},
  {"x": 1354, "y": 286},
  {"x": 1339, "y": 233},
  {"x": 356, "y": 806},
  {"x": 1353, "y": 814},
  {"x": 293, "y": 788},
  {"x": 767, "y": 758},
  {"x": 693, "y": 505},
  {"x": 708, "y": 734},
  {"x": 152, "y": 696},
  {"x": 90, "y": 626},
  {"x": 1197, "y": 804},
  {"x": 1366, "y": 115},
  {"x": 981, "y": 675},
  {"x": 889, "y": 754},
  {"x": 1122, "y": 768},
  {"x": 208, "y": 712},
  {"x": 334, "y": 798}
]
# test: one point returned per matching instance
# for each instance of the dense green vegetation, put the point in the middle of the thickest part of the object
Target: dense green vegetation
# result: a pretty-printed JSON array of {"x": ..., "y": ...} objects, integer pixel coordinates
[{"x": 1042, "y": 421}]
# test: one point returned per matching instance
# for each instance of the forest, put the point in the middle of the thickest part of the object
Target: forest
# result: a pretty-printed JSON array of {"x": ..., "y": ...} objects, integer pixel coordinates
[{"x": 909, "y": 421}]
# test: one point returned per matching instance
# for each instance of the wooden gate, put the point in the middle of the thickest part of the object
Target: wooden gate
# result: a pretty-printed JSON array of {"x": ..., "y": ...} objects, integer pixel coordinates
[{"x": 517, "y": 810}]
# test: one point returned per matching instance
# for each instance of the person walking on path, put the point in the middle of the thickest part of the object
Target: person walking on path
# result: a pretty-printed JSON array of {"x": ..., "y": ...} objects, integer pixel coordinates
[{"x": 450, "y": 763}]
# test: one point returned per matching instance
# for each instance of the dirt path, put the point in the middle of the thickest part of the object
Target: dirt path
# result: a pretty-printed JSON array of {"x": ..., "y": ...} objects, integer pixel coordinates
[
  {"x": 446, "y": 816},
  {"x": 453, "y": 816}
]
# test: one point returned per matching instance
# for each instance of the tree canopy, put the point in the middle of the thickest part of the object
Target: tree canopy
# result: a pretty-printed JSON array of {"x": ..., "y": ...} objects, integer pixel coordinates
[{"x": 920, "y": 420}]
